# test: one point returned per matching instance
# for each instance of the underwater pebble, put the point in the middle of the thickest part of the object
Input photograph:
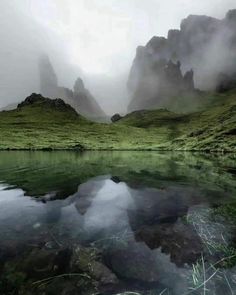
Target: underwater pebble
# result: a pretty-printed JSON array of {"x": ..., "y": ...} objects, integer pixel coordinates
[{"x": 36, "y": 225}]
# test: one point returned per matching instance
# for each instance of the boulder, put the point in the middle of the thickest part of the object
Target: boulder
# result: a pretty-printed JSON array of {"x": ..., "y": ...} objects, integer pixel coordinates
[
  {"x": 86, "y": 260},
  {"x": 116, "y": 118}
]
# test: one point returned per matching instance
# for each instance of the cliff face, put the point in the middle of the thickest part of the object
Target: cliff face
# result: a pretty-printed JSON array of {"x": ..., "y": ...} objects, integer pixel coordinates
[
  {"x": 79, "y": 98},
  {"x": 202, "y": 52},
  {"x": 48, "y": 78}
]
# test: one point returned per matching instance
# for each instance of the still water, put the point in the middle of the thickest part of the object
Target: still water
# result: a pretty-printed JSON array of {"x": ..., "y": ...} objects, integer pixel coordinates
[{"x": 117, "y": 223}]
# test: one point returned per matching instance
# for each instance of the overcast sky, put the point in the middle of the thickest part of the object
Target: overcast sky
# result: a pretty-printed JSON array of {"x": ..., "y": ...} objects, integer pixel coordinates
[
  {"x": 102, "y": 33},
  {"x": 97, "y": 36}
]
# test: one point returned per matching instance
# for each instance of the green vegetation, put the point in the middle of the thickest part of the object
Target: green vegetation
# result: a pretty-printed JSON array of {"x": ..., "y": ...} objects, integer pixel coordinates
[
  {"x": 218, "y": 259},
  {"x": 41, "y": 126},
  {"x": 212, "y": 129},
  {"x": 62, "y": 171},
  {"x": 36, "y": 127},
  {"x": 228, "y": 211}
]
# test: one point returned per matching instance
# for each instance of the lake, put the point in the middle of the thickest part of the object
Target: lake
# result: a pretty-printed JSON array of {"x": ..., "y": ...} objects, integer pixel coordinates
[{"x": 117, "y": 223}]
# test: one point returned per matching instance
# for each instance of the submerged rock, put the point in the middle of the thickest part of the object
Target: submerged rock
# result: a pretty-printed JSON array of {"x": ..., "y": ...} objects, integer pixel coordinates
[
  {"x": 88, "y": 260},
  {"x": 72, "y": 270},
  {"x": 134, "y": 262}
]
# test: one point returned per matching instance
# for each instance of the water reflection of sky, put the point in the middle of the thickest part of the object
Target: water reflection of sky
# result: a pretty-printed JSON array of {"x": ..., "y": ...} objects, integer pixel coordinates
[
  {"x": 150, "y": 240},
  {"x": 101, "y": 206}
]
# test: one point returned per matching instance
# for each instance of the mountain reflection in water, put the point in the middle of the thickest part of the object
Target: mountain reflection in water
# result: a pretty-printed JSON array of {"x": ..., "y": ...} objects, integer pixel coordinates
[{"x": 146, "y": 216}]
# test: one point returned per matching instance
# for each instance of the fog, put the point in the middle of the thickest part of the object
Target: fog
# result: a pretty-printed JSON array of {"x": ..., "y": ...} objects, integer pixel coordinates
[{"x": 93, "y": 39}]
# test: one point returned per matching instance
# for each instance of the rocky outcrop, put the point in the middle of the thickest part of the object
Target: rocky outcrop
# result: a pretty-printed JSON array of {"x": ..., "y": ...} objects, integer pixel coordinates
[
  {"x": 79, "y": 86},
  {"x": 198, "y": 54},
  {"x": 226, "y": 82},
  {"x": 79, "y": 98},
  {"x": 64, "y": 270},
  {"x": 37, "y": 99},
  {"x": 85, "y": 102},
  {"x": 158, "y": 83},
  {"x": 48, "y": 78},
  {"x": 116, "y": 118}
]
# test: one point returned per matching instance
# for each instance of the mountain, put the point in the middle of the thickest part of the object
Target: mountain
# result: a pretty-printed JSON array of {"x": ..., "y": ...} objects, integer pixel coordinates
[
  {"x": 202, "y": 55},
  {"x": 79, "y": 98},
  {"x": 41, "y": 123}
]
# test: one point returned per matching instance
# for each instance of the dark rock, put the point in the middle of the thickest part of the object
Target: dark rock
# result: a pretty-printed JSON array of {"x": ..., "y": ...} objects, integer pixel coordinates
[
  {"x": 231, "y": 16},
  {"x": 37, "y": 99},
  {"x": 48, "y": 78},
  {"x": 32, "y": 99},
  {"x": 41, "y": 263},
  {"x": 135, "y": 262},
  {"x": 157, "y": 45},
  {"x": 116, "y": 118},
  {"x": 159, "y": 82},
  {"x": 188, "y": 80},
  {"x": 79, "y": 86},
  {"x": 226, "y": 82},
  {"x": 173, "y": 74},
  {"x": 115, "y": 179},
  {"x": 102, "y": 273},
  {"x": 87, "y": 261}
]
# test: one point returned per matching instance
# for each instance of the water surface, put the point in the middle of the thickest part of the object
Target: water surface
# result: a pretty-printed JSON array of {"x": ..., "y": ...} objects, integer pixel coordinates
[{"x": 147, "y": 222}]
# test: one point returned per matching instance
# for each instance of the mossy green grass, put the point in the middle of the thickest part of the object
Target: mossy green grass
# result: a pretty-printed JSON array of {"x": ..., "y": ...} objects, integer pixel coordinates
[{"x": 39, "y": 127}]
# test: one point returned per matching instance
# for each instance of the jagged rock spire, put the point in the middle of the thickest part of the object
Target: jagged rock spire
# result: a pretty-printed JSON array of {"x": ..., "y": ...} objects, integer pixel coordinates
[
  {"x": 79, "y": 86},
  {"x": 48, "y": 78}
]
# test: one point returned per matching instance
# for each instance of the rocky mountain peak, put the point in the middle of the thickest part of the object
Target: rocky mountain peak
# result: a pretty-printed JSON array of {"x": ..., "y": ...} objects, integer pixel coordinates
[
  {"x": 79, "y": 86},
  {"x": 199, "y": 23},
  {"x": 79, "y": 98},
  {"x": 231, "y": 16},
  {"x": 48, "y": 78},
  {"x": 201, "y": 53}
]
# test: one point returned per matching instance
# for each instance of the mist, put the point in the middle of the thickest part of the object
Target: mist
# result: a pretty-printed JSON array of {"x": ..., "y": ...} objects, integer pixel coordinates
[{"x": 91, "y": 39}]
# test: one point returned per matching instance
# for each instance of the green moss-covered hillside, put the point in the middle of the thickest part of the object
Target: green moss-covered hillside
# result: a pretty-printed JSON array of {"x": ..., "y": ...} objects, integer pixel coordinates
[
  {"x": 211, "y": 129},
  {"x": 40, "y": 123}
]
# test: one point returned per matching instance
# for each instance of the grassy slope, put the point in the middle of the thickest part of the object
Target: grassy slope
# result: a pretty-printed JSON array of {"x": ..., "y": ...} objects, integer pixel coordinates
[
  {"x": 211, "y": 129},
  {"x": 38, "y": 127}
]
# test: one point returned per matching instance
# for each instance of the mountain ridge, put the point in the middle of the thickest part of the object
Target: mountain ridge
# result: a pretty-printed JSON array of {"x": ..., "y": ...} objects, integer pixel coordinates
[
  {"x": 79, "y": 98},
  {"x": 200, "y": 55}
]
